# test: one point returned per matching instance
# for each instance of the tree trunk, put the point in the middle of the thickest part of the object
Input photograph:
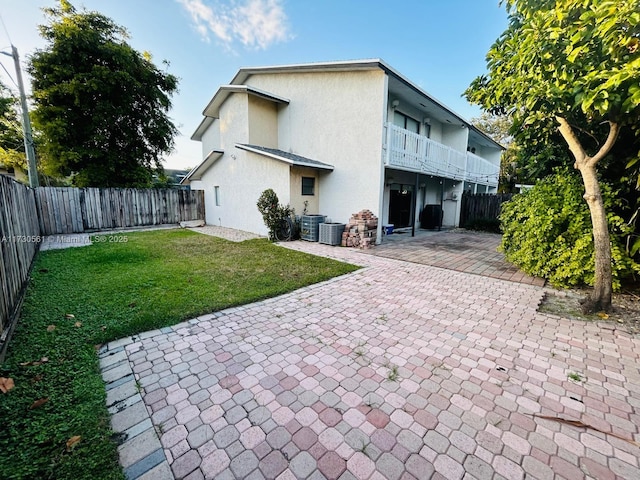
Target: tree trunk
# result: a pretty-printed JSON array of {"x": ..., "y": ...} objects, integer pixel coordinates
[{"x": 600, "y": 298}]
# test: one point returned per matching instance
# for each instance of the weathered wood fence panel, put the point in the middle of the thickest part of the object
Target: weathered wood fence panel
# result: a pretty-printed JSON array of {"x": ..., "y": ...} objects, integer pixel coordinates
[
  {"x": 77, "y": 210},
  {"x": 27, "y": 214},
  {"x": 19, "y": 242},
  {"x": 482, "y": 206}
]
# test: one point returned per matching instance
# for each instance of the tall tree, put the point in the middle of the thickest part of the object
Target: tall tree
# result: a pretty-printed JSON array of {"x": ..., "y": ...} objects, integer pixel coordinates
[
  {"x": 11, "y": 143},
  {"x": 499, "y": 128},
  {"x": 573, "y": 67},
  {"x": 100, "y": 105}
]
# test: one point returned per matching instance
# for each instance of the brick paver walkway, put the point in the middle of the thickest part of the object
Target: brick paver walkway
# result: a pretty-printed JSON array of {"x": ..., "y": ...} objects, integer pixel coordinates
[
  {"x": 397, "y": 371},
  {"x": 471, "y": 252}
]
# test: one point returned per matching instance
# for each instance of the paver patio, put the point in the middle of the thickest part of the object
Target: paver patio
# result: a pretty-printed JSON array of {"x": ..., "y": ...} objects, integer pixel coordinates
[
  {"x": 397, "y": 371},
  {"x": 469, "y": 252}
]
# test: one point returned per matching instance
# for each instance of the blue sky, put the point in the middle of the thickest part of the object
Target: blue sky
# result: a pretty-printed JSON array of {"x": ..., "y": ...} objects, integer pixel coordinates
[{"x": 438, "y": 44}]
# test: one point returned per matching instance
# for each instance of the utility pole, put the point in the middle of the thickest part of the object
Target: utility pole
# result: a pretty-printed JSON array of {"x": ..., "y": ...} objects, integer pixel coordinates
[{"x": 26, "y": 123}]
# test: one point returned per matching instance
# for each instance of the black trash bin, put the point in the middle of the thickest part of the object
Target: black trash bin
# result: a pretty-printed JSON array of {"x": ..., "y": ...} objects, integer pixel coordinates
[{"x": 431, "y": 217}]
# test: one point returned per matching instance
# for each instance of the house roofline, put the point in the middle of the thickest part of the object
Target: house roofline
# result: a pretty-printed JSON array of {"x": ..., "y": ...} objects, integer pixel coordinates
[
  {"x": 202, "y": 127},
  {"x": 237, "y": 85},
  {"x": 212, "y": 110},
  {"x": 354, "y": 65},
  {"x": 483, "y": 134},
  {"x": 299, "y": 161},
  {"x": 390, "y": 70},
  {"x": 341, "y": 65},
  {"x": 211, "y": 157}
]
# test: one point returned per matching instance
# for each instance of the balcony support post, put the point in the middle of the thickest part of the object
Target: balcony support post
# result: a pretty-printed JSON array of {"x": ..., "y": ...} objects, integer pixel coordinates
[{"x": 414, "y": 207}]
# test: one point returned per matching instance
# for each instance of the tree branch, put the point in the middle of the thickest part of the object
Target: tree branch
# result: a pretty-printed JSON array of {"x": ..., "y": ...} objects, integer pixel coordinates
[
  {"x": 572, "y": 140},
  {"x": 614, "y": 129},
  {"x": 589, "y": 134}
]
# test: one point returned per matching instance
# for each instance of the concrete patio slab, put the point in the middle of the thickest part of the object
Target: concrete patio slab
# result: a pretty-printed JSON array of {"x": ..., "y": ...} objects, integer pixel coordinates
[
  {"x": 396, "y": 371},
  {"x": 463, "y": 251}
]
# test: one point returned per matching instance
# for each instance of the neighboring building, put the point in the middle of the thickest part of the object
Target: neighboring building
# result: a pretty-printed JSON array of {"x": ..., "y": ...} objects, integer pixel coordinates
[
  {"x": 342, "y": 136},
  {"x": 522, "y": 187},
  {"x": 175, "y": 177},
  {"x": 16, "y": 173},
  {"x": 6, "y": 171}
]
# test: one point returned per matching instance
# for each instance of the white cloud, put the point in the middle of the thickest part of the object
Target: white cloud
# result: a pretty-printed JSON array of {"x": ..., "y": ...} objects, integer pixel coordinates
[{"x": 256, "y": 24}]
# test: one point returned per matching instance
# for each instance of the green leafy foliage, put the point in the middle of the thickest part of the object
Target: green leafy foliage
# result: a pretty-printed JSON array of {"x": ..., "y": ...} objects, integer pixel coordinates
[
  {"x": 547, "y": 233},
  {"x": 579, "y": 60},
  {"x": 564, "y": 57},
  {"x": 100, "y": 105},
  {"x": 272, "y": 211},
  {"x": 11, "y": 144},
  {"x": 569, "y": 69}
]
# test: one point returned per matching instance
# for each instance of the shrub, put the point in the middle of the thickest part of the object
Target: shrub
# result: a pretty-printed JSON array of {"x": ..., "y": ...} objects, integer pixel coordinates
[
  {"x": 272, "y": 212},
  {"x": 547, "y": 232},
  {"x": 483, "y": 224}
]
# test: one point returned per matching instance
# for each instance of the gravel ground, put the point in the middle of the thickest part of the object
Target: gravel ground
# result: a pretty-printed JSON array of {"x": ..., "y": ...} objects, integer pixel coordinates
[{"x": 226, "y": 233}]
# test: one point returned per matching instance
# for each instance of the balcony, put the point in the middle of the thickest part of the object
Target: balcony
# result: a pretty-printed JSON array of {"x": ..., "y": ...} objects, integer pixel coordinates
[{"x": 409, "y": 151}]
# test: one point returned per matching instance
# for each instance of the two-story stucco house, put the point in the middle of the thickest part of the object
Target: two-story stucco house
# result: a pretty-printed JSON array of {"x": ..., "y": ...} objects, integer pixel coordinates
[{"x": 340, "y": 137}]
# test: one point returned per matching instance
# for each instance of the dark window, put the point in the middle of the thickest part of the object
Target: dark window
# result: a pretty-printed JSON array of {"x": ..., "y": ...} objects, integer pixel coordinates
[
  {"x": 308, "y": 185},
  {"x": 406, "y": 122}
]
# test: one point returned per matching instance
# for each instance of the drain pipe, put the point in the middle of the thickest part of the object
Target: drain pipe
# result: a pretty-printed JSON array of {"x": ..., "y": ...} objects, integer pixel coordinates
[{"x": 415, "y": 205}]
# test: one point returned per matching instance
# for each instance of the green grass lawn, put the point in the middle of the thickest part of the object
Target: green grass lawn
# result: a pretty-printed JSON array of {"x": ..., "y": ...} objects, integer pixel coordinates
[{"x": 79, "y": 298}]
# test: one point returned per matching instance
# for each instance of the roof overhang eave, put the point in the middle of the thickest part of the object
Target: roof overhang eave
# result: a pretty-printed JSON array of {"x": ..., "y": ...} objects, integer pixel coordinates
[
  {"x": 213, "y": 107},
  {"x": 297, "y": 163},
  {"x": 197, "y": 172}
]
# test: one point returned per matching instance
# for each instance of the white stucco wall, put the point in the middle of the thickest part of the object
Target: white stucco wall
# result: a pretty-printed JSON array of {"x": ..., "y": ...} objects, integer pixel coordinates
[
  {"x": 451, "y": 203},
  {"x": 455, "y": 136},
  {"x": 211, "y": 138},
  {"x": 242, "y": 180},
  {"x": 436, "y": 131},
  {"x": 241, "y": 176},
  {"x": 296, "y": 198},
  {"x": 336, "y": 118},
  {"x": 433, "y": 188},
  {"x": 263, "y": 122}
]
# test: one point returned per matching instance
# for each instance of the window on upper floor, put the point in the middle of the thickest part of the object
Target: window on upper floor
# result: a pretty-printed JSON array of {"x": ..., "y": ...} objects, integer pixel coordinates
[
  {"x": 308, "y": 186},
  {"x": 406, "y": 122}
]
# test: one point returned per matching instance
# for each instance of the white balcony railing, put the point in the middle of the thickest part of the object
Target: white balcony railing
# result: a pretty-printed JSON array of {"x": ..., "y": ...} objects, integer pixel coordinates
[
  {"x": 479, "y": 170},
  {"x": 409, "y": 151}
]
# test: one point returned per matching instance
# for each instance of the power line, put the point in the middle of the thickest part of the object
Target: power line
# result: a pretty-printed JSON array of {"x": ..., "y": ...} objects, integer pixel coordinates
[
  {"x": 8, "y": 74},
  {"x": 5, "y": 30},
  {"x": 4, "y": 27}
]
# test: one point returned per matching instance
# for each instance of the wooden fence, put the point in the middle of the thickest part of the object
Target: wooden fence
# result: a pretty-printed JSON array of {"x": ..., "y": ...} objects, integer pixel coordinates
[
  {"x": 19, "y": 242},
  {"x": 485, "y": 206},
  {"x": 27, "y": 214},
  {"x": 75, "y": 210}
]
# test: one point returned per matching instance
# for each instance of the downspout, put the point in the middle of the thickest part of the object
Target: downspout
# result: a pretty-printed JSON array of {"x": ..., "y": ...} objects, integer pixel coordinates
[
  {"x": 385, "y": 161},
  {"x": 441, "y": 204},
  {"x": 414, "y": 206},
  {"x": 385, "y": 157}
]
